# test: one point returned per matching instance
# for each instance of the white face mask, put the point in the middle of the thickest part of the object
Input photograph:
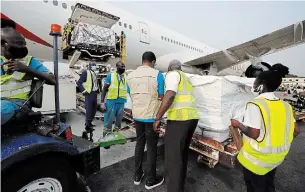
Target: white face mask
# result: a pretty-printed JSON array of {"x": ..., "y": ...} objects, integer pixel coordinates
[{"x": 258, "y": 90}]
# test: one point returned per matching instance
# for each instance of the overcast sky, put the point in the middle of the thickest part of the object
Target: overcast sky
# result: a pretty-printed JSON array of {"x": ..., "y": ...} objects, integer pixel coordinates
[{"x": 225, "y": 24}]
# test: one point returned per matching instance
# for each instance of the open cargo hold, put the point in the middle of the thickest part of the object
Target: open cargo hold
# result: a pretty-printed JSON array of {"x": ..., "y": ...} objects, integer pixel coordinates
[{"x": 90, "y": 31}]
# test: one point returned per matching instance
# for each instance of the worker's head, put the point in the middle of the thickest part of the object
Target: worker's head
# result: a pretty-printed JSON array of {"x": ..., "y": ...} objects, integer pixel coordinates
[
  {"x": 269, "y": 81},
  {"x": 92, "y": 66},
  {"x": 175, "y": 65},
  {"x": 69, "y": 20},
  {"x": 5, "y": 23},
  {"x": 120, "y": 67},
  {"x": 149, "y": 59},
  {"x": 13, "y": 44}
]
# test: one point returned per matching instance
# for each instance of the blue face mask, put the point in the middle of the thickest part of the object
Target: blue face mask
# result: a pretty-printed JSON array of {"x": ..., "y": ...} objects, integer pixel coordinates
[{"x": 93, "y": 68}]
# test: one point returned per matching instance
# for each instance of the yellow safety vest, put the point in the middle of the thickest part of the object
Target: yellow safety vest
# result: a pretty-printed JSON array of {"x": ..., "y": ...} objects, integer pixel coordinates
[
  {"x": 262, "y": 157},
  {"x": 12, "y": 86},
  {"x": 184, "y": 105},
  {"x": 117, "y": 89},
  {"x": 88, "y": 84}
]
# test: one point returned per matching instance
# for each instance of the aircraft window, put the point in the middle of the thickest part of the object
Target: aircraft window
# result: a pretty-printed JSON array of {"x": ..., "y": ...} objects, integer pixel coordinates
[
  {"x": 130, "y": 27},
  {"x": 120, "y": 24},
  {"x": 125, "y": 25},
  {"x": 55, "y": 2},
  {"x": 162, "y": 37},
  {"x": 165, "y": 38},
  {"x": 64, "y": 5},
  {"x": 45, "y": 1},
  {"x": 171, "y": 40},
  {"x": 72, "y": 7}
]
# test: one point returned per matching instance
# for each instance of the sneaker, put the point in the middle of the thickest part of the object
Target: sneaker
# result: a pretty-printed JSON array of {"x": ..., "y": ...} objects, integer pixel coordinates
[
  {"x": 138, "y": 179},
  {"x": 154, "y": 183}
]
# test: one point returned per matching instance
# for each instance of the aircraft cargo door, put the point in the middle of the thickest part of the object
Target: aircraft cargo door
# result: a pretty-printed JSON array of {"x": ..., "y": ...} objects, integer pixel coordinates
[{"x": 144, "y": 33}]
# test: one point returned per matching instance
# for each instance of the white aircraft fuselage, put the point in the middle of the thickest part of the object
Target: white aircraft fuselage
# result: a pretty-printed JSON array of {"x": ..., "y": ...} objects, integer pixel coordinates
[{"x": 34, "y": 19}]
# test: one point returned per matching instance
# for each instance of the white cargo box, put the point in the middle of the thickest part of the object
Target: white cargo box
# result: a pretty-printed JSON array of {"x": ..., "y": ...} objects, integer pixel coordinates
[{"x": 67, "y": 91}]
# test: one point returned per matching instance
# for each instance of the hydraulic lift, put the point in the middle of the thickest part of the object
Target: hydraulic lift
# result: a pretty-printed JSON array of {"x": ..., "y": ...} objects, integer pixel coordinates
[{"x": 89, "y": 37}]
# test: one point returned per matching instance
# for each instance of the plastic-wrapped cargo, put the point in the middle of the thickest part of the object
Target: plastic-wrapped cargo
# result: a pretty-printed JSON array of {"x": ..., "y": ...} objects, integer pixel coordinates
[
  {"x": 92, "y": 35},
  {"x": 218, "y": 99}
]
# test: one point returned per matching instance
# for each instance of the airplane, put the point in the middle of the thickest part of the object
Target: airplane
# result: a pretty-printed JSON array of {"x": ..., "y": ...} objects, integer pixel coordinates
[{"x": 33, "y": 19}]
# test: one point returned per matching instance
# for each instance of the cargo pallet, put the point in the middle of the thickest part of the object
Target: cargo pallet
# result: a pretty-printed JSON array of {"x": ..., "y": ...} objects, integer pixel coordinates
[{"x": 210, "y": 151}]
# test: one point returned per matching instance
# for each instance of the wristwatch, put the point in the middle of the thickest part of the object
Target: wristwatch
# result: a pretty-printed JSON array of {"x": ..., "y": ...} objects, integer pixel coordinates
[{"x": 158, "y": 119}]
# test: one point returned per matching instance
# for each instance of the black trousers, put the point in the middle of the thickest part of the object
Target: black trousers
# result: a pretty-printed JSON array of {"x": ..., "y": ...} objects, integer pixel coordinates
[
  {"x": 178, "y": 137},
  {"x": 259, "y": 183},
  {"x": 91, "y": 107},
  {"x": 145, "y": 133}
]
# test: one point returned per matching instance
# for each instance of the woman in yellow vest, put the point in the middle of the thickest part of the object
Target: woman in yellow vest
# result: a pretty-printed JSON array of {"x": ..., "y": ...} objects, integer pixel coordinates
[
  {"x": 268, "y": 130},
  {"x": 182, "y": 119}
]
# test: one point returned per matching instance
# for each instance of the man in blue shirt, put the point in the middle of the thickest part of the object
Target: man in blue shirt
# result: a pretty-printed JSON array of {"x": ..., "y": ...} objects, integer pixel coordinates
[
  {"x": 115, "y": 88},
  {"x": 17, "y": 71},
  {"x": 146, "y": 89}
]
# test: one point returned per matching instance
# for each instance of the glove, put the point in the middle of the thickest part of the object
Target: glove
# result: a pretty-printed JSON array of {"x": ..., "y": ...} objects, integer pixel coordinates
[
  {"x": 103, "y": 107},
  {"x": 85, "y": 93}
]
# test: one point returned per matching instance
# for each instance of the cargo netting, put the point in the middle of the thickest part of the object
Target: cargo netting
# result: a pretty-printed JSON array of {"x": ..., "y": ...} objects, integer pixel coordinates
[{"x": 93, "y": 37}]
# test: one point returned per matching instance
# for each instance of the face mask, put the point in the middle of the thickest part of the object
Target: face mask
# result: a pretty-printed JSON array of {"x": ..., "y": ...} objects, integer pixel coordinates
[
  {"x": 121, "y": 71},
  {"x": 93, "y": 68},
  {"x": 258, "y": 90},
  {"x": 16, "y": 52}
]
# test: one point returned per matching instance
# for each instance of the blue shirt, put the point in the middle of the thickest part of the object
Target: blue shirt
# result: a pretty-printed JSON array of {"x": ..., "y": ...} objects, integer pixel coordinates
[
  {"x": 35, "y": 64},
  {"x": 7, "y": 107},
  {"x": 160, "y": 80},
  {"x": 118, "y": 100}
]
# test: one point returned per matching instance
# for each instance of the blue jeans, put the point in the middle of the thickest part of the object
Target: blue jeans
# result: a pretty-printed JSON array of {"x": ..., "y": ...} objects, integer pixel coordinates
[
  {"x": 114, "y": 113},
  {"x": 8, "y": 109}
]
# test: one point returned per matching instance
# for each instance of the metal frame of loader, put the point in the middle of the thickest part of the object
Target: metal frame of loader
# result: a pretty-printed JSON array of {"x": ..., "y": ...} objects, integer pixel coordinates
[{"x": 100, "y": 55}]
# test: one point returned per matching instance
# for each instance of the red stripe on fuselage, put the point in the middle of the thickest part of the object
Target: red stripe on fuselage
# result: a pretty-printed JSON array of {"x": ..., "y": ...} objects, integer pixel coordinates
[{"x": 27, "y": 34}]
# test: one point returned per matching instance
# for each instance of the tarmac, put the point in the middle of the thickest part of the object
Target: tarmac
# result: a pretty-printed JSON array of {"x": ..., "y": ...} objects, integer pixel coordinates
[{"x": 117, "y": 168}]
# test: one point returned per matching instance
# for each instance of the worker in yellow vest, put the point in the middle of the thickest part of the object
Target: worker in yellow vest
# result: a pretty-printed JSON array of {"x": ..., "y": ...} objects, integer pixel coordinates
[
  {"x": 116, "y": 89},
  {"x": 88, "y": 85},
  {"x": 17, "y": 73},
  {"x": 182, "y": 119},
  {"x": 268, "y": 129}
]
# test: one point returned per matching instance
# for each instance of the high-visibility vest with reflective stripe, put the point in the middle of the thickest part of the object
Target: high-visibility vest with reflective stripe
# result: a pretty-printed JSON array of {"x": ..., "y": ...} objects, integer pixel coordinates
[
  {"x": 117, "y": 89},
  {"x": 88, "y": 84},
  {"x": 184, "y": 105},
  {"x": 12, "y": 86},
  {"x": 262, "y": 157}
]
